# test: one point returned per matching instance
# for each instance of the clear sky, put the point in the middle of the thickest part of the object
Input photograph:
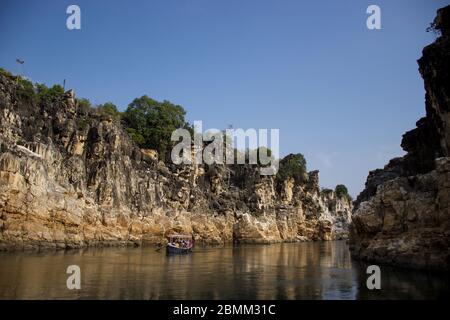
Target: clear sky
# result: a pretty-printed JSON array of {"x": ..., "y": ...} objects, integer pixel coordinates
[{"x": 340, "y": 94}]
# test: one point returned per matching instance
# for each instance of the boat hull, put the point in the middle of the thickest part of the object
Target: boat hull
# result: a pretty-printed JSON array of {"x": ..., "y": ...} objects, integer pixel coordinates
[{"x": 176, "y": 250}]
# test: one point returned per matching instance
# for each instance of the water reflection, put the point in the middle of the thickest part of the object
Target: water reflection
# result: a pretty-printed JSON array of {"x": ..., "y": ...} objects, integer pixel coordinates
[{"x": 319, "y": 270}]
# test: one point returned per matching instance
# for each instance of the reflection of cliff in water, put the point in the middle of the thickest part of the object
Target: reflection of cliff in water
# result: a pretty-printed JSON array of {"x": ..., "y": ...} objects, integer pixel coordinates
[
  {"x": 311, "y": 270},
  {"x": 295, "y": 271}
]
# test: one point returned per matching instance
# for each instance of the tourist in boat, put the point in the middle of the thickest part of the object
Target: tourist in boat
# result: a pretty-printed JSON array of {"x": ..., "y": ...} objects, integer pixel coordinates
[{"x": 179, "y": 243}]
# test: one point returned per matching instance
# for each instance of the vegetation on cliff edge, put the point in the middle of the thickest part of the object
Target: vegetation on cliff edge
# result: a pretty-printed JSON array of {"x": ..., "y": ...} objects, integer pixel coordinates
[
  {"x": 342, "y": 192},
  {"x": 150, "y": 123},
  {"x": 292, "y": 166}
]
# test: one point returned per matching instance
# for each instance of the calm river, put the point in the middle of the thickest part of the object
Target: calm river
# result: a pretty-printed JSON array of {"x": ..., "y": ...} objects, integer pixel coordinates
[{"x": 312, "y": 270}]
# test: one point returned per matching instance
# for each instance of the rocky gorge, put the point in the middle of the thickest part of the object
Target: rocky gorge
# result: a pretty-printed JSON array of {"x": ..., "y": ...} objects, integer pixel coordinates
[
  {"x": 72, "y": 177},
  {"x": 402, "y": 217}
]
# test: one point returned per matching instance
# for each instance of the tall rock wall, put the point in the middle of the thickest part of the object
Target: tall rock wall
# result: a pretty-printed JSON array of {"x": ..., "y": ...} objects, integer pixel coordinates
[
  {"x": 403, "y": 215},
  {"x": 71, "y": 177}
]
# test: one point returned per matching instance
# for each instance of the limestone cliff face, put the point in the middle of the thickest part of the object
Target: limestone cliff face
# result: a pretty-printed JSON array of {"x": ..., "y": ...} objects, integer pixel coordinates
[
  {"x": 403, "y": 215},
  {"x": 71, "y": 177}
]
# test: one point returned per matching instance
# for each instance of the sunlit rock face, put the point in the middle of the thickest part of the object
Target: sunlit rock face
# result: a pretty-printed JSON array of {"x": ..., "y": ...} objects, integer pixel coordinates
[
  {"x": 403, "y": 215},
  {"x": 71, "y": 177}
]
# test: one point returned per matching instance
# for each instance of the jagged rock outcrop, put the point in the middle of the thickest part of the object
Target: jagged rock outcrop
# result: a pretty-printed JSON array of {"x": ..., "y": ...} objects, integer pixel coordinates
[
  {"x": 71, "y": 177},
  {"x": 403, "y": 215}
]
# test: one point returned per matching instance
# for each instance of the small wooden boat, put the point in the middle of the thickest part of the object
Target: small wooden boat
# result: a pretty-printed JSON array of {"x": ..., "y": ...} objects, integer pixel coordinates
[{"x": 179, "y": 243}]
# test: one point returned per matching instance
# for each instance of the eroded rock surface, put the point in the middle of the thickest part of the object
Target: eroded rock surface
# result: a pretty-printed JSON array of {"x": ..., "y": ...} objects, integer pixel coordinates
[
  {"x": 403, "y": 215},
  {"x": 71, "y": 177}
]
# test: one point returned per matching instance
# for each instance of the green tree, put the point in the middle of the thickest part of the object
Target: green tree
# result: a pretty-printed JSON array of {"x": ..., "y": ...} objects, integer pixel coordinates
[
  {"x": 109, "y": 109},
  {"x": 136, "y": 136},
  {"x": 6, "y": 73},
  {"x": 48, "y": 95},
  {"x": 292, "y": 166},
  {"x": 342, "y": 191},
  {"x": 34, "y": 93},
  {"x": 325, "y": 190},
  {"x": 152, "y": 123},
  {"x": 26, "y": 91},
  {"x": 84, "y": 106}
]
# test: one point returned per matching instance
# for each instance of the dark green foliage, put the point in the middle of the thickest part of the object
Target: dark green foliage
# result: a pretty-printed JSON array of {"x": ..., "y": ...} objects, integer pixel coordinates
[
  {"x": 33, "y": 93},
  {"x": 292, "y": 166},
  {"x": 342, "y": 191},
  {"x": 25, "y": 90},
  {"x": 325, "y": 191},
  {"x": 153, "y": 122},
  {"x": 82, "y": 124},
  {"x": 136, "y": 136},
  {"x": 47, "y": 95},
  {"x": 109, "y": 109},
  {"x": 84, "y": 106},
  {"x": 6, "y": 73}
]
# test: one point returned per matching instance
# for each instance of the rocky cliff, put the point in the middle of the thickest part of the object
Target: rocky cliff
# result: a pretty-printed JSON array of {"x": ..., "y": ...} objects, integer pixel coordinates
[
  {"x": 71, "y": 176},
  {"x": 403, "y": 215}
]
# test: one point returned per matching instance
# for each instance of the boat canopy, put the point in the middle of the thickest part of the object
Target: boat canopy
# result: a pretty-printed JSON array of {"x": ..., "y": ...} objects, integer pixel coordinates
[{"x": 179, "y": 236}]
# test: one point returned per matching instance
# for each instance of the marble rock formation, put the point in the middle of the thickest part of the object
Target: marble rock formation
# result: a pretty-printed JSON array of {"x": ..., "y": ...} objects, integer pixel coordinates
[
  {"x": 403, "y": 215},
  {"x": 71, "y": 177}
]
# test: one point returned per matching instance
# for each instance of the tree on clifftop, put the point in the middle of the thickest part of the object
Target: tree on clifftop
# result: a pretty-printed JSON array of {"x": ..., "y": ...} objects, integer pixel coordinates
[
  {"x": 150, "y": 123},
  {"x": 292, "y": 166},
  {"x": 342, "y": 191},
  {"x": 109, "y": 109}
]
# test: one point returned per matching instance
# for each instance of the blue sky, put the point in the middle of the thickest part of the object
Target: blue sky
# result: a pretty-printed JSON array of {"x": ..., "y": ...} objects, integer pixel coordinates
[{"x": 340, "y": 94}]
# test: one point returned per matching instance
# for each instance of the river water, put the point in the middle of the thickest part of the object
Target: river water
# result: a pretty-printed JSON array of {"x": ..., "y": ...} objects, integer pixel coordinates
[{"x": 311, "y": 270}]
